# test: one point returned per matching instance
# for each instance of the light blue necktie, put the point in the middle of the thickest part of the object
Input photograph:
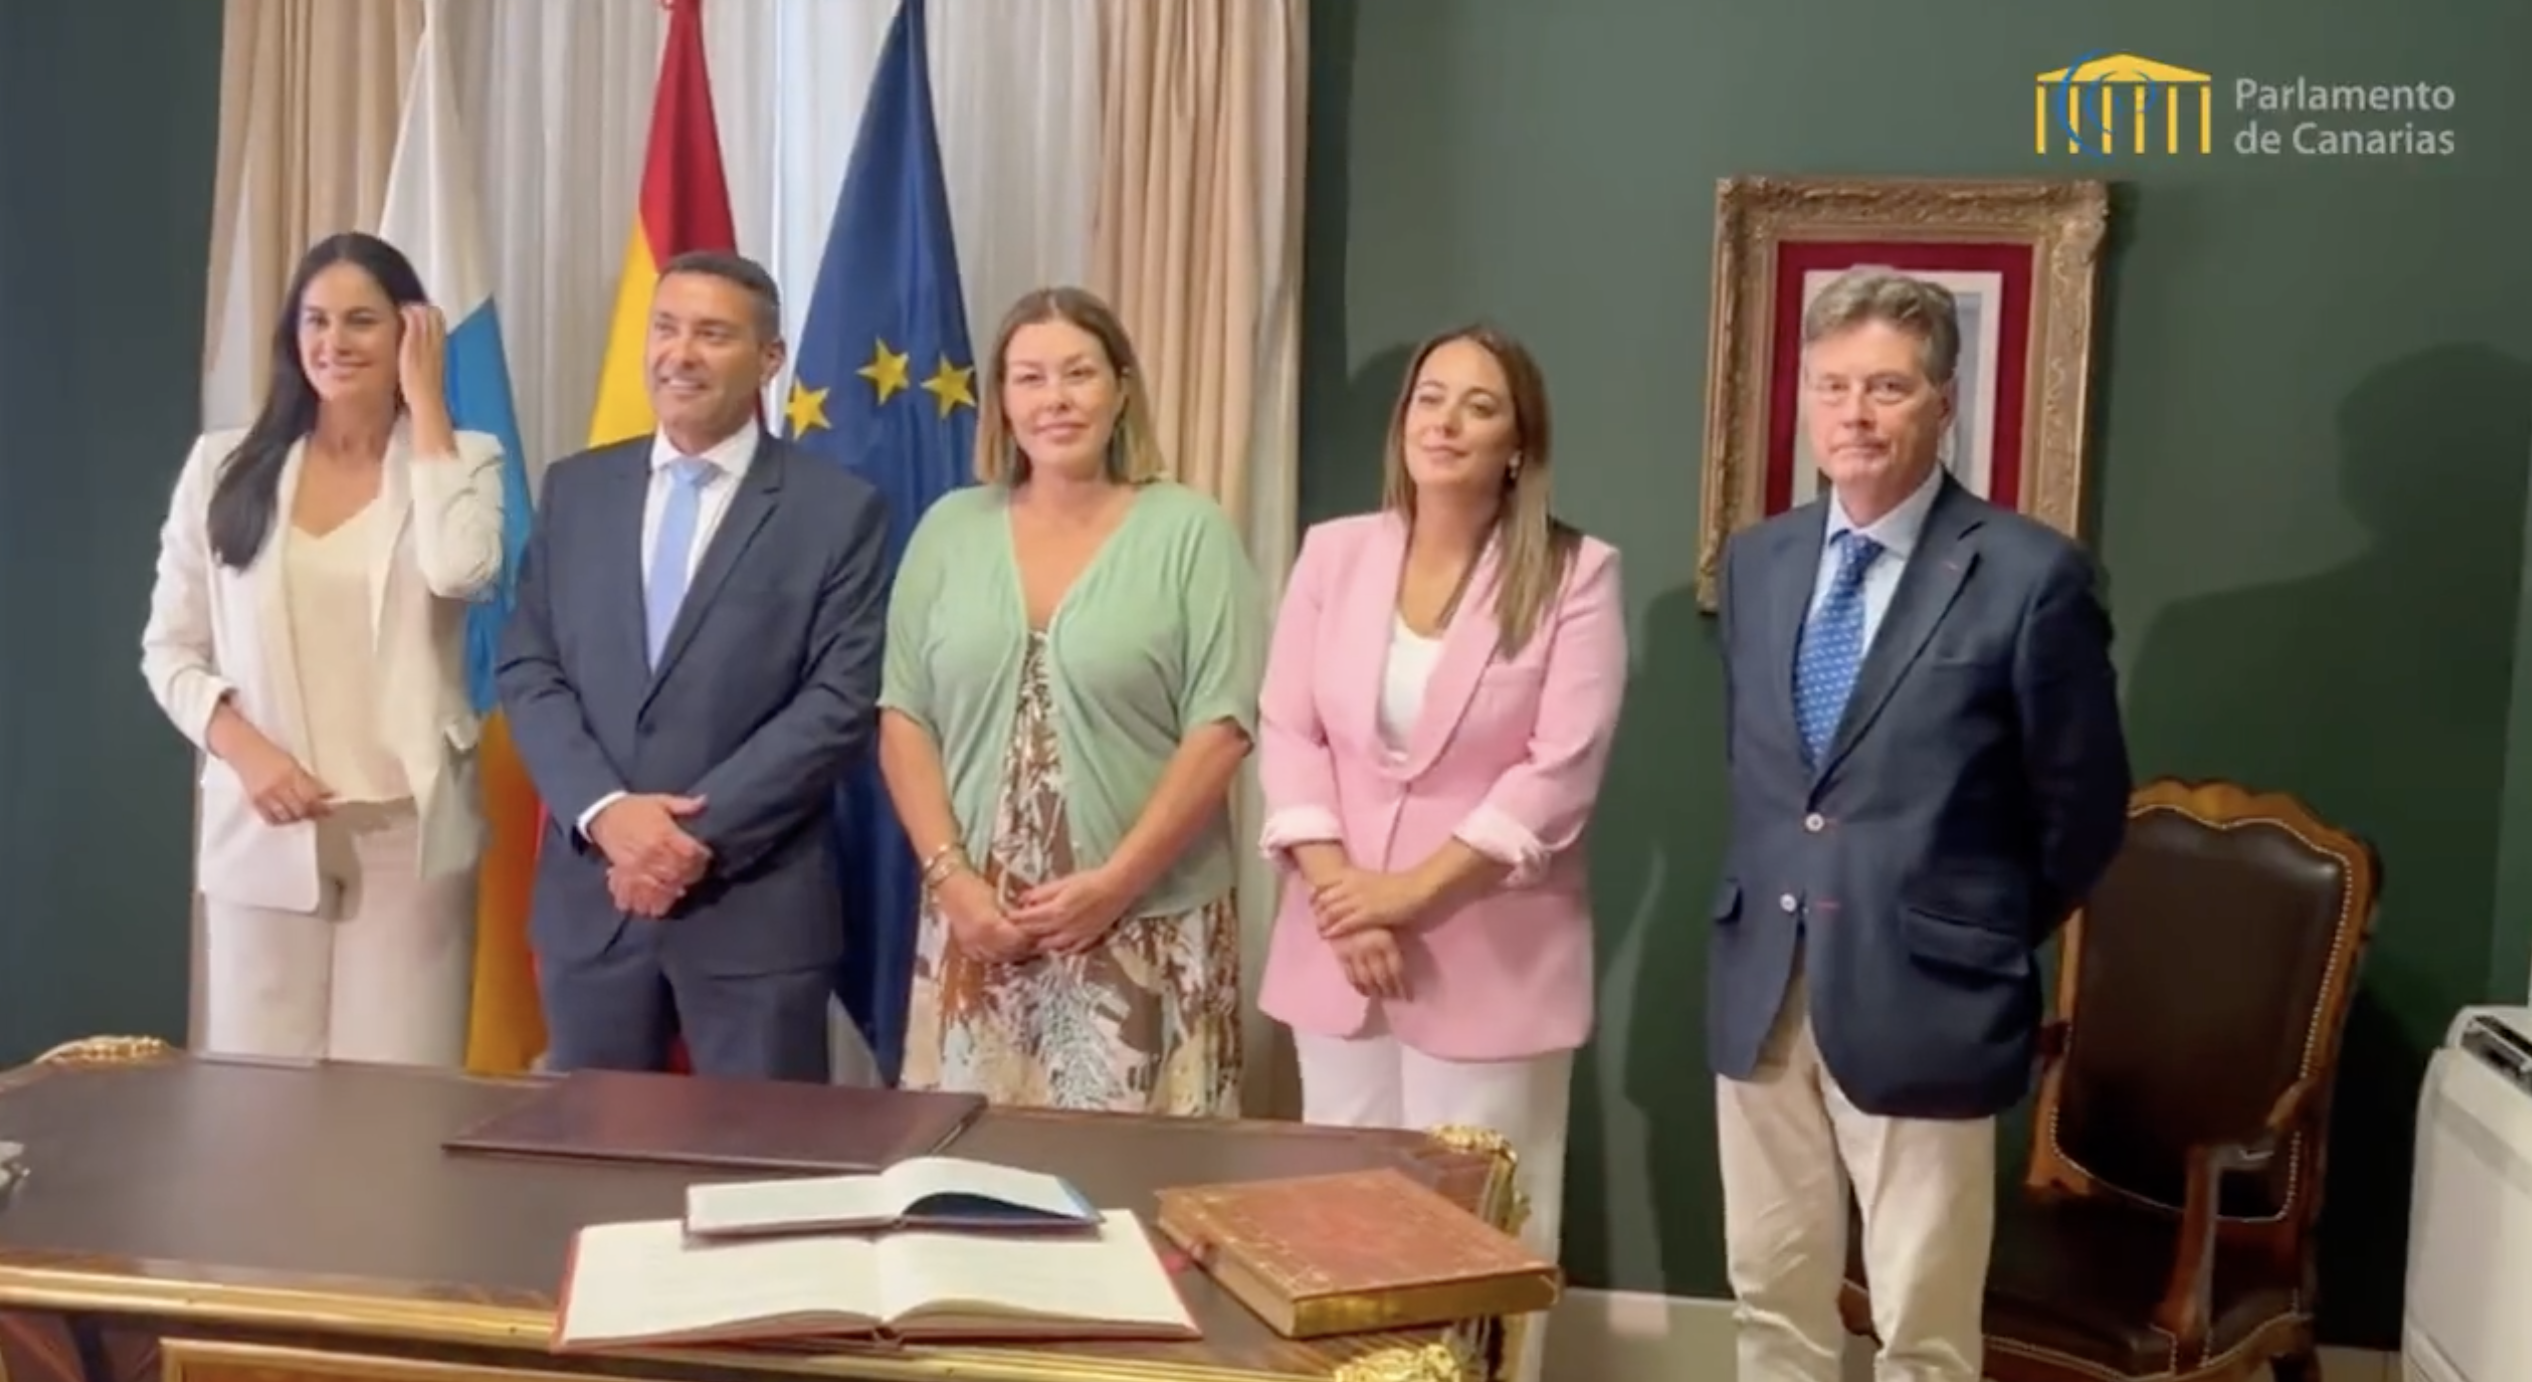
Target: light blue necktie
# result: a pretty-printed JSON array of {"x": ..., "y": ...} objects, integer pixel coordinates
[
  {"x": 672, "y": 558},
  {"x": 1832, "y": 647}
]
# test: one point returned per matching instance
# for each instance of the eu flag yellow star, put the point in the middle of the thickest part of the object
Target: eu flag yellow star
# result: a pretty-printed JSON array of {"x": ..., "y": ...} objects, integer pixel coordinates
[
  {"x": 886, "y": 370},
  {"x": 806, "y": 408},
  {"x": 949, "y": 384}
]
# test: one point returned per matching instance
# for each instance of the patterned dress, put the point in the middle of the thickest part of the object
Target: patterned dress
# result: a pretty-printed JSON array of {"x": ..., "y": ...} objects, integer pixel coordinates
[{"x": 1148, "y": 1021}]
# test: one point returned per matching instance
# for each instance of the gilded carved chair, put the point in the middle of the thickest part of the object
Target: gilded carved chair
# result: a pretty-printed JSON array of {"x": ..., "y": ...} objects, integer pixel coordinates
[{"x": 2165, "y": 1229}]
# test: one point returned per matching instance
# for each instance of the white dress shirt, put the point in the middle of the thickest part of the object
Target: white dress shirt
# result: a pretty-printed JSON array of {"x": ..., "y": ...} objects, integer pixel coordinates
[
  {"x": 1897, "y": 532},
  {"x": 730, "y": 458},
  {"x": 1403, "y": 680}
]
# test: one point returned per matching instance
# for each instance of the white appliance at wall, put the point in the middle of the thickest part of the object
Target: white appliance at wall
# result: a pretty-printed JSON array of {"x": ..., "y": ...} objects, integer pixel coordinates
[{"x": 2468, "y": 1314}]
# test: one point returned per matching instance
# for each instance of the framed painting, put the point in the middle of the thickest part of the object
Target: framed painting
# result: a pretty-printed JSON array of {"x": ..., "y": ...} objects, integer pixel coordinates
[{"x": 2021, "y": 259}]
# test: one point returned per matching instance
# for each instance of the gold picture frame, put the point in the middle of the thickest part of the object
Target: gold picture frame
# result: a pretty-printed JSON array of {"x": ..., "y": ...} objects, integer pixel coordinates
[{"x": 2023, "y": 257}]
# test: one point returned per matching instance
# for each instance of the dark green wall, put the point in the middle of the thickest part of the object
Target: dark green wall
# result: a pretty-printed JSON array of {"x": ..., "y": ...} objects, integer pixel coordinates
[
  {"x": 2314, "y": 418},
  {"x": 109, "y": 115}
]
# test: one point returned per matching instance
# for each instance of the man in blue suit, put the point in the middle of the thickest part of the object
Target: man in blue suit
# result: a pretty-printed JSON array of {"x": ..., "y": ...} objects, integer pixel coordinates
[
  {"x": 693, "y": 665},
  {"x": 1928, "y": 774}
]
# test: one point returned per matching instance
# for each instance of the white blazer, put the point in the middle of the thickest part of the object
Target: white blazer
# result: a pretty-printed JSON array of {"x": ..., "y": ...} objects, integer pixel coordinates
[{"x": 216, "y": 633}]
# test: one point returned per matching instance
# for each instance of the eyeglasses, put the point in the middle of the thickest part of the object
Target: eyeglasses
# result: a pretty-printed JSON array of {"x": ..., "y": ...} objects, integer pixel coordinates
[{"x": 1881, "y": 391}]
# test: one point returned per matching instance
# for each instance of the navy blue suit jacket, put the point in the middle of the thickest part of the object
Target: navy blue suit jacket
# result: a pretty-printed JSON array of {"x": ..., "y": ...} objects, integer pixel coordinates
[
  {"x": 766, "y": 693},
  {"x": 1972, "y": 795}
]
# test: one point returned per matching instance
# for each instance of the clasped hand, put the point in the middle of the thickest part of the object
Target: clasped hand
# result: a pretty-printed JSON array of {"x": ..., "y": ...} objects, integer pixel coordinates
[
  {"x": 976, "y": 917},
  {"x": 282, "y": 789},
  {"x": 1069, "y": 915},
  {"x": 651, "y": 860},
  {"x": 1358, "y": 900},
  {"x": 1360, "y": 912},
  {"x": 1063, "y": 916}
]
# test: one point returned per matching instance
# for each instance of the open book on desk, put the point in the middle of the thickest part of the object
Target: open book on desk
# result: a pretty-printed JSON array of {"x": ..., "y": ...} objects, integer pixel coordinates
[
  {"x": 917, "y": 1193},
  {"x": 648, "y": 1284}
]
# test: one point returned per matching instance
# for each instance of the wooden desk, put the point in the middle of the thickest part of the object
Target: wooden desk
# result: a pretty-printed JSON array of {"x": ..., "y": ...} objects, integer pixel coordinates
[{"x": 196, "y": 1220}]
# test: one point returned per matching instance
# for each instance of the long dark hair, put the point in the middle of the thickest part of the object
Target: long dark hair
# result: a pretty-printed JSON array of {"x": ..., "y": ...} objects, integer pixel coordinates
[{"x": 248, "y": 493}]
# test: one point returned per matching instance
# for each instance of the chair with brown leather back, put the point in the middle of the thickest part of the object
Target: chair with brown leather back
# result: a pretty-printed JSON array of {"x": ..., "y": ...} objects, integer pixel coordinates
[{"x": 2166, "y": 1225}]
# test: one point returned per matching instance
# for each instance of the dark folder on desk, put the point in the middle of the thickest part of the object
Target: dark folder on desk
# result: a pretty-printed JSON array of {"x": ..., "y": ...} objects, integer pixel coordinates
[{"x": 613, "y": 1115}]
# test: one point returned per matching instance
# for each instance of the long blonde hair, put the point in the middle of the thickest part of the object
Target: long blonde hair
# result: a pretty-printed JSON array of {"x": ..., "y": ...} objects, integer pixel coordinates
[
  {"x": 1535, "y": 550},
  {"x": 1134, "y": 454}
]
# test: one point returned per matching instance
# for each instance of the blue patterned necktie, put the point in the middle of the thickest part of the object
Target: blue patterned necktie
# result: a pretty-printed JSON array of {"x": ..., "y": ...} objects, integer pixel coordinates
[
  {"x": 1832, "y": 647},
  {"x": 665, "y": 588}
]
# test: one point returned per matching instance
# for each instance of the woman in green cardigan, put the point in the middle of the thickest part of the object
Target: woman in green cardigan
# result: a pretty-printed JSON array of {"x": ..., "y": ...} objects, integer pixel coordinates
[{"x": 1074, "y": 651}]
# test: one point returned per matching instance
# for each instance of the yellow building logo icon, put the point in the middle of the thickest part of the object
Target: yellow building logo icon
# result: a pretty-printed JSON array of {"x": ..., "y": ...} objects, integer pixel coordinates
[{"x": 2108, "y": 103}]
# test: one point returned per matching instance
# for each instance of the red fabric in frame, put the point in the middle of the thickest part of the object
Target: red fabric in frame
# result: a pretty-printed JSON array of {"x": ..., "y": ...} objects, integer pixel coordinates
[{"x": 1797, "y": 259}]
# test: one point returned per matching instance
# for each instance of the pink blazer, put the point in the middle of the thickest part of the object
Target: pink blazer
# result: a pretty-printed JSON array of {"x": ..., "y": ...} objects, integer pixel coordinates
[{"x": 1507, "y": 755}]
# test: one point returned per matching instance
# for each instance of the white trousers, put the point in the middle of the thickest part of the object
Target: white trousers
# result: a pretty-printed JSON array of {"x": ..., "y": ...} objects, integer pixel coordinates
[
  {"x": 1791, "y": 1146},
  {"x": 383, "y": 971},
  {"x": 1372, "y": 1081}
]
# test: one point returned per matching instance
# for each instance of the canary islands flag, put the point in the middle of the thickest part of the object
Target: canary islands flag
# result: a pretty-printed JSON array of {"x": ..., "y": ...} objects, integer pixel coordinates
[
  {"x": 432, "y": 215},
  {"x": 885, "y": 385}
]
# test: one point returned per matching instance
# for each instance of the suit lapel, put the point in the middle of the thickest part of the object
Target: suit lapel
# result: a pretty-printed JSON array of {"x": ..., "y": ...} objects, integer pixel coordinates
[
  {"x": 1366, "y": 597},
  {"x": 621, "y": 497},
  {"x": 749, "y": 508},
  {"x": 1943, "y": 558},
  {"x": 269, "y": 576},
  {"x": 1468, "y": 645},
  {"x": 1785, "y": 603},
  {"x": 395, "y": 511}
]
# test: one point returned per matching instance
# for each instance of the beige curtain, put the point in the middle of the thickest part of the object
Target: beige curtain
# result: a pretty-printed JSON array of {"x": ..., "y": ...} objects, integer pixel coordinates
[
  {"x": 1175, "y": 238},
  {"x": 310, "y": 91},
  {"x": 1196, "y": 241}
]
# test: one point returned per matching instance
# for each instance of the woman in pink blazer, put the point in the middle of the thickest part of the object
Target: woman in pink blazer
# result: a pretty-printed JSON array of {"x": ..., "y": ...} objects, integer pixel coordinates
[{"x": 1443, "y": 682}]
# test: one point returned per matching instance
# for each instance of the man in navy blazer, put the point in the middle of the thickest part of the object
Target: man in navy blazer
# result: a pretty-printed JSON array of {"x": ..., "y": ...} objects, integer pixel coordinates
[
  {"x": 693, "y": 665},
  {"x": 1928, "y": 774}
]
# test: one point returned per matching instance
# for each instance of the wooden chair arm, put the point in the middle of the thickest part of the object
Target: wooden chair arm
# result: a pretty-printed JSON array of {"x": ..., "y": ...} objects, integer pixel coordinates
[{"x": 2188, "y": 1295}]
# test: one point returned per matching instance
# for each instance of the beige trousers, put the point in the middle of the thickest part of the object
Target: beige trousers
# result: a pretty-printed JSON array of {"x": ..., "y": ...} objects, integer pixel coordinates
[
  {"x": 1791, "y": 1148},
  {"x": 382, "y": 971}
]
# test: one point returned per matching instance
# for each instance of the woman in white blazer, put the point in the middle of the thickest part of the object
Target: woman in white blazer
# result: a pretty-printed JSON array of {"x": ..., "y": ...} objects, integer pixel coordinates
[{"x": 307, "y": 632}]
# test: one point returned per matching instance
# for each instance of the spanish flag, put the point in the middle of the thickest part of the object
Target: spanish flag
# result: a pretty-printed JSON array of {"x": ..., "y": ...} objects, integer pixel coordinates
[{"x": 685, "y": 205}]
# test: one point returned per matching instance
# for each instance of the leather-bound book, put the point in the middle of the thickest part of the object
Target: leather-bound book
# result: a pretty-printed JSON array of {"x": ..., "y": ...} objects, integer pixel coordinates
[{"x": 1354, "y": 1253}]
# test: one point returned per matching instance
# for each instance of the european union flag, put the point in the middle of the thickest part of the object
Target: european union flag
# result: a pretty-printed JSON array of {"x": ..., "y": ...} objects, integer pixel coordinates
[{"x": 885, "y": 384}]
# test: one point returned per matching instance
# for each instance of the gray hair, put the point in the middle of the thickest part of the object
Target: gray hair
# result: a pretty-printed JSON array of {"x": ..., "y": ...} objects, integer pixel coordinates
[{"x": 1923, "y": 309}]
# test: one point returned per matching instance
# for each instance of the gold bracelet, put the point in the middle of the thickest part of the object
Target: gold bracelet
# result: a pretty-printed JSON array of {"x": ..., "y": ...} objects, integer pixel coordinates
[{"x": 943, "y": 862}]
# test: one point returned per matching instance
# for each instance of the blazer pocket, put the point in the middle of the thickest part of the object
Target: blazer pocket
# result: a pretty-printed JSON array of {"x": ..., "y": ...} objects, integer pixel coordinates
[
  {"x": 1945, "y": 943},
  {"x": 1983, "y": 896},
  {"x": 1508, "y": 694},
  {"x": 1511, "y": 679},
  {"x": 1503, "y": 707},
  {"x": 767, "y": 590},
  {"x": 1727, "y": 901},
  {"x": 1966, "y": 668}
]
